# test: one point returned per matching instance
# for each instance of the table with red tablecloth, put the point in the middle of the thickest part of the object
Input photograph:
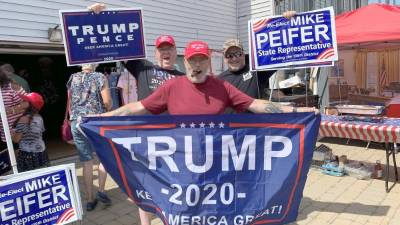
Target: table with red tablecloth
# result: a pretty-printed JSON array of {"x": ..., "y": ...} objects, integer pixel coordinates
[{"x": 376, "y": 129}]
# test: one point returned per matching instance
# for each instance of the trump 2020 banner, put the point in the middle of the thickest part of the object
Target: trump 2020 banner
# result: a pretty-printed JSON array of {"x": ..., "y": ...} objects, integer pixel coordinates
[
  {"x": 38, "y": 197},
  {"x": 228, "y": 169},
  {"x": 305, "y": 40},
  {"x": 111, "y": 35}
]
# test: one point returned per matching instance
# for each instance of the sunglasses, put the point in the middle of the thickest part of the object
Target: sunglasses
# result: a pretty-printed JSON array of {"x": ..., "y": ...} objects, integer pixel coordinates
[{"x": 233, "y": 54}]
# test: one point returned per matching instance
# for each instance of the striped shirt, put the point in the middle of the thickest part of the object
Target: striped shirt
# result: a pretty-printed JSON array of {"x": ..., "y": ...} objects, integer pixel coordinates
[
  {"x": 11, "y": 97},
  {"x": 32, "y": 138}
]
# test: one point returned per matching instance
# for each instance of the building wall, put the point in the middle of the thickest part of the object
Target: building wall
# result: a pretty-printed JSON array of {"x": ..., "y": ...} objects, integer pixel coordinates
[
  {"x": 208, "y": 20},
  {"x": 249, "y": 10}
]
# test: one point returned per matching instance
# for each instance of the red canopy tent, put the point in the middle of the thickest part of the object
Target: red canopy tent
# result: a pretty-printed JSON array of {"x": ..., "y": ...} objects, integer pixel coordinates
[{"x": 373, "y": 24}]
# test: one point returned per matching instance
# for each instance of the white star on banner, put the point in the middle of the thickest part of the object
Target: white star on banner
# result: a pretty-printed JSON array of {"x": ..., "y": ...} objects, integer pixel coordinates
[
  {"x": 212, "y": 125},
  {"x": 202, "y": 124},
  {"x": 221, "y": 125},
  {"x": 192, "y": 125},
  {"x": 183, "y": 125}
]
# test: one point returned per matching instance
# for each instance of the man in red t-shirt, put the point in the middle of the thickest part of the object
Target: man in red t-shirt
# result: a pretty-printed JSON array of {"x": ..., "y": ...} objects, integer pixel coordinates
[{"x": 198, "y": 92}]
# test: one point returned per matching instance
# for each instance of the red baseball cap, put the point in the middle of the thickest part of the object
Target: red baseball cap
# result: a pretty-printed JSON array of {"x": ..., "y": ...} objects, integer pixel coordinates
[
  {"x": 165, "y": 39},
  {"x": 35, "y": 99},
  {"x": 196, "y": 48}
]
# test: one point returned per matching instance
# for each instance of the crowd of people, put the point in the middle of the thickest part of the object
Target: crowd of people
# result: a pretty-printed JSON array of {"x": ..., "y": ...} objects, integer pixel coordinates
[
  {"x": 25, "y": 123},
  {"x": 161, "y": 89},
  {"x": 164, "y": 89}
]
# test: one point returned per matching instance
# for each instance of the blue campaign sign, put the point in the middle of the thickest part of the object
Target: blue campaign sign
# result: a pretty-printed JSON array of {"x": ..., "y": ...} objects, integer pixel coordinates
[
  {"x": 44, "y": 199},
  {"x": 112, "y": 35},
  {"x": 306, "y": 39},
  {"x": 228, "y": 169}
]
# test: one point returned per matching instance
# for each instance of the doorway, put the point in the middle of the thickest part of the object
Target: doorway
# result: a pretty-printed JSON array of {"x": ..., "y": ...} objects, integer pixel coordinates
[{"x": 47, "y": 75}]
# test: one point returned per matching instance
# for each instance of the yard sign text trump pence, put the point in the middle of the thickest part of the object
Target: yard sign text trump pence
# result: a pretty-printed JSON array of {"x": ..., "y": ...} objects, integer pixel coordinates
[{"x": 113, "y": 35}]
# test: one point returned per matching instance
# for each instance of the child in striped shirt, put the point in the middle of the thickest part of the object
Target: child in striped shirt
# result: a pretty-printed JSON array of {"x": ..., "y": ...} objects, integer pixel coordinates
[{"x": 29, "y": 130}]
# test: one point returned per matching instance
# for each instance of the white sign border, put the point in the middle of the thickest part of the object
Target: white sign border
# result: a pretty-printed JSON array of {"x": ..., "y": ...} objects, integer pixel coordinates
[
  {"x": 292, "y": 65},
  {"x": 60, "y": 12}
]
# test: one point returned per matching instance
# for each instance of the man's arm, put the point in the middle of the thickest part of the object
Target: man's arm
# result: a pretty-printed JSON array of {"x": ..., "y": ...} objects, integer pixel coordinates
[
  {"x": 133, "y": 108},
  {"x": 264, "y": 106}
]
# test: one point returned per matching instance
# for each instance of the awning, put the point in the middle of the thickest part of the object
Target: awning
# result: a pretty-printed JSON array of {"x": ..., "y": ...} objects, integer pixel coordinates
[{"x": 371, "y": 25}]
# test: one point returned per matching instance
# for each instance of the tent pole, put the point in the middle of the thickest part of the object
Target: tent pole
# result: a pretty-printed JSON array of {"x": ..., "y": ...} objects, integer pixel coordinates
[{"x": 6, "y": 130}]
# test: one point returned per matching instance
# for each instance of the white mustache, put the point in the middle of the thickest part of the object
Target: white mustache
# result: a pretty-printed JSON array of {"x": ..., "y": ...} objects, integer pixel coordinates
[{"x": 195, "y": 73}]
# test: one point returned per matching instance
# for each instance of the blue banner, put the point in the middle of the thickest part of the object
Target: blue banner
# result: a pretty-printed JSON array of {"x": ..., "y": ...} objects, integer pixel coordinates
[
  {"x": 112, "y": 35},
  {"x": 307, "y": 39},
  {"x": 44, "y": 199},
  {"x": 228, "y": 169}
]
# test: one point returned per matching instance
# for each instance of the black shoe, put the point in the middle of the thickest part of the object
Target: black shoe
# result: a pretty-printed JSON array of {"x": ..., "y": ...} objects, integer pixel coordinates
[
  {"x": 90, "y": 206},
  {"x": 102, "y": 197}
]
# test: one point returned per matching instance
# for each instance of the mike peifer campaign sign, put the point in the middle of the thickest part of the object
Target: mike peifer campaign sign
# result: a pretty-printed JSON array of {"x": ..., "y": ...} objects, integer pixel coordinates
[
  {"x": 39, "y": 197},
  {"x": 112, "y": 35},
  {"x": 305, "y": 40},
  {"x": 203, "y": 169}
]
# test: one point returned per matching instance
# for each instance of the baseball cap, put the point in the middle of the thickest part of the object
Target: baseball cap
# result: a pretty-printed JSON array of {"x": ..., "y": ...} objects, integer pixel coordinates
[
  {"x": 231, "y": 43},
  {"x": 165, "y": 39},
  {"x": 196, "y": 48},
  {"x": 35, "y": 99}
]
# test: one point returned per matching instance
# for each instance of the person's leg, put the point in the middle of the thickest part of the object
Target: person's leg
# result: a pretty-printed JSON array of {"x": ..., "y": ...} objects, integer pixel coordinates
[
  {"x": 85, "y": 156},
  {"x": 144, "y": 217},
  {"x": 88, "y": 179},
  {"x": 101, "y": 195},
  {"x": 102, "y": 177}
]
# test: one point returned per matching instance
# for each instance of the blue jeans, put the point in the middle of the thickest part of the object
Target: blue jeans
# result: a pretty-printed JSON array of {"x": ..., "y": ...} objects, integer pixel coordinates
[{"x": 82, "y": 144}]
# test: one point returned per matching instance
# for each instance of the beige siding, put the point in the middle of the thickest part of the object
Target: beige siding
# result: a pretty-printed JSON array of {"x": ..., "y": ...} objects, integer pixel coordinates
[
  {"x": 252, "y": 9},
  {"x": 208, "y": 20}
]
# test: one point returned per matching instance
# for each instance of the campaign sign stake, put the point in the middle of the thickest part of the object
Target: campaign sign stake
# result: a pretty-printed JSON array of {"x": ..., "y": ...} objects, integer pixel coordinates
[
  {"x": 307, "y": 39},
  {"x": 228, "y": 169},
  {"x": 112, "y": 35}
]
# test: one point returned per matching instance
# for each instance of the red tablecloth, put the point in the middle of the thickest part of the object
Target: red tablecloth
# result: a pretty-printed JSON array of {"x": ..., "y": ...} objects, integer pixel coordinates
[{"x": 386, "y": 130}]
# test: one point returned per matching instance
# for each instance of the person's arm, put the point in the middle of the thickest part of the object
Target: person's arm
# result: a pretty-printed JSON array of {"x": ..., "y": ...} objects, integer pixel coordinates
[
  {"x": 264, "y": 106},
  {"x": 20, "y": 128},
  {"x": 16, "y": 137},
  {"x": 16, "y": 109},
  {"x": 106, "y": 95},
  {"x": 133, "y": 108},
  {"x": 22, "y": 105}
]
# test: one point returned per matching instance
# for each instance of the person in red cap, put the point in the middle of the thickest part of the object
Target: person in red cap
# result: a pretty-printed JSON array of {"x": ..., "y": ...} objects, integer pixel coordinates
[
  {"x": 28, "y": 134},
  {"x": 199, "y": 93},
  {"x": 149, "y": 76}
]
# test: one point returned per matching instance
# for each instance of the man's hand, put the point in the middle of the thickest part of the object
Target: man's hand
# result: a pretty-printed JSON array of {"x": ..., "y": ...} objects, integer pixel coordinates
[
  {"x": 97, "y": 7},
  {"x": 289, "y": 14},
  {"x": 306, "y": 109}
]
